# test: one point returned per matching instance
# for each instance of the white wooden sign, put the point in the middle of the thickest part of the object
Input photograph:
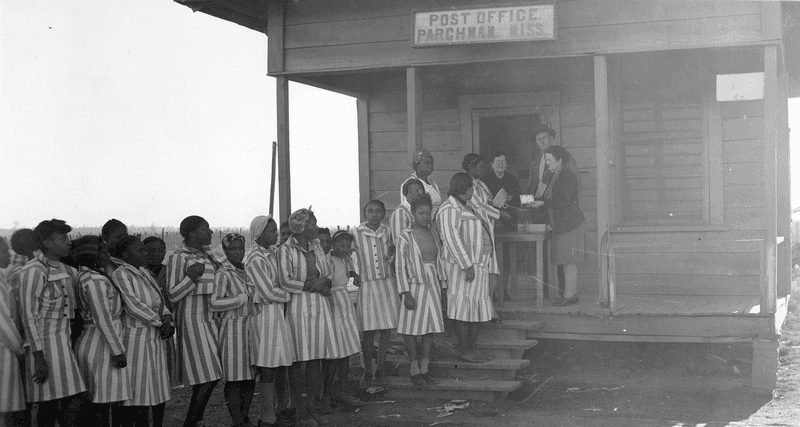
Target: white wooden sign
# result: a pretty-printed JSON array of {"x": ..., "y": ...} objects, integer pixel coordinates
[
  {"x": 484, "y": 25},
  {"x": 740, "y": 87}
]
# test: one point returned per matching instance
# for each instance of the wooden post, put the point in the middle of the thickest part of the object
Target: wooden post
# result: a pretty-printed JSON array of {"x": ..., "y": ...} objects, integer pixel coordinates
[
  {"x": 784, "y": 190},
  {"x": 285, "y": 185},
  {"x": 275, "y": 37},
  {"x": 603, "y": 173},
  {"x": 362, "y": 113},
  {"x": 413, "y": 110},
  {"x": 771, "y": 114}
]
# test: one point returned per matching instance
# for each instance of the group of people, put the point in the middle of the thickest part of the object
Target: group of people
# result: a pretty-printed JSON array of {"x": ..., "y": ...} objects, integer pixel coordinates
[{"x": 91, "y": 320}]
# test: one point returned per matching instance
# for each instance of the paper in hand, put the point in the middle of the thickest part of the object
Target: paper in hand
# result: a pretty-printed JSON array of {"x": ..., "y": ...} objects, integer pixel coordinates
[{"x": 500, "y": 198}]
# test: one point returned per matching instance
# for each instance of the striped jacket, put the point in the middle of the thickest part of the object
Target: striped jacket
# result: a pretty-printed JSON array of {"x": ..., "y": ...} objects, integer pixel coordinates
[
  {"x": 10, "y": 346},
  {"x": 101, "y": 306},
  {"x": 400, "y": 220},
  {"x": 372, "y": 247},
  {"x": 481, "y": 201},
  {"x": 229, "y": 283},
  {"x": 409, "y": 266},
  {"x": 292, "y": 266},
  {"x": 462, "y": 233},
  {"x": 47, "y": 291},
  {"x": 144, "y": 304},
  {"x": 261, "y": 266}
]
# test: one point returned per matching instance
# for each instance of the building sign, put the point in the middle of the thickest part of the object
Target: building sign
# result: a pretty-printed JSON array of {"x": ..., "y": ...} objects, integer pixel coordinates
[
  {"x": 485, "y": 25},
  {"x": 740, "y": 87}
]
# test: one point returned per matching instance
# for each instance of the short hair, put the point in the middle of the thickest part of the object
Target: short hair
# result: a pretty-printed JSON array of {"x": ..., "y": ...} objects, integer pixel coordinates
[
  {"x": 46, "y": 229},
  {"x": 85, "y": 251},
  {"x": 559, "y": 153},
  {"x": 497, "y": 154},
  {"x": 24, "y": 241},
  {"x": 408, "y": 184},
  {"x": 324, "y": 230},
  {"x": 284, "y": 224},
  {"x": 342, "y": 235},
  {"x": 422, "y": 200},
  {"x": 469, "y": 159},
  {"x": 111, "y": 225},
  {"x": 373, "y": 202},
  {"x": 122, "y": 245},
  {"x": 151, "y": 239},
  {"x": 189, "y": 224},
  {"x": 459, "y": 183}
]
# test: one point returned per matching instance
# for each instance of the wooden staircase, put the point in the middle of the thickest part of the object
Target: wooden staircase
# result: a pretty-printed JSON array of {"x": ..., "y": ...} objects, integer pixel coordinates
[{"x": 504, "y": 342}]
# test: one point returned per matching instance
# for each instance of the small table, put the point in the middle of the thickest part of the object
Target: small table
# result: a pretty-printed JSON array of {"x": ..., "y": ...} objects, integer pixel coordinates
[{"x": 512, "y": 239}]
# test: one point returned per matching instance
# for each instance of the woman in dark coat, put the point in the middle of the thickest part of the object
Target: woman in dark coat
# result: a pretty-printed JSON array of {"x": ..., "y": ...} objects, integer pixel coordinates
[{"x": 568, "y": 245}]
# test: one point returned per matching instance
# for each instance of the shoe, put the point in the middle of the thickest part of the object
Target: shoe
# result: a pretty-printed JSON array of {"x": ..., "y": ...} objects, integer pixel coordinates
[
  {"x": 380, "y": 377},
  {"x": 418, "y": 380},
  {"x": 559, "y": 302},
  {"x": 366, "y": 381},
  {"x": 571, "y": 300},
  {"x": 429, "y": 379},
  {"x": 319, "y": 419},
  {"x": 326, "y": 408},
  {"x": 345, "y": 402}
]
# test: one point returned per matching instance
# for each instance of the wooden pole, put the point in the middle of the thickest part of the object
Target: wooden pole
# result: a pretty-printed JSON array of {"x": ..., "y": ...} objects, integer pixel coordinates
[
  {"x": 603, "y": 167},
  {"x": 771, "y": 114},
  {"x": 272, "y": 178},
  {"x": 414, "y": 111},
  {"x": 285, "y": 188},
  {"x": 784, "y": 190},
  {"x": 362, "y": 112}
]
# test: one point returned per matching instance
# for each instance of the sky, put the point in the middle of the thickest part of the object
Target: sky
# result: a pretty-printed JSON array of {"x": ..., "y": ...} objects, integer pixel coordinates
[{"x": 147, "y": 112}]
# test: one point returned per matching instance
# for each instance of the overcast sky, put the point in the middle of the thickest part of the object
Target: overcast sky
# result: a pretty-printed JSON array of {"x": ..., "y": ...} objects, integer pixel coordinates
[{"x": 147, "y": 112}]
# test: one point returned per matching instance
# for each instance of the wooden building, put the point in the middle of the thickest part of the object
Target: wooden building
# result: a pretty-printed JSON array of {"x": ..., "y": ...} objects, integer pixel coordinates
[{"x": 675, "y": 111}]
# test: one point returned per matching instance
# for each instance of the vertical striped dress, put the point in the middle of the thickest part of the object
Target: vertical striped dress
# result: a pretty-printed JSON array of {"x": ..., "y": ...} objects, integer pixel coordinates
[
  {"x": 308, "y": 314},
  {"x": 463, "y": 237},
  {"x": 101, "y": 337},
  {"x": 234, "y": 326},
  {"x": 481, "y": 201},
  {"x": 400, "y": 220},
  {"x": 197, "y": 331},
  {"x": 344, "y": 315},
  {"x": 141, "y": 322},
  {"x": 270, "y": 336},
  {"x": 47, "y": 304},
  {"x": 173, "y": 365},
  {"x": 425, "y": 281},
  {"x": 378, "y": 303},
  {"x": 11, "y": 389}
]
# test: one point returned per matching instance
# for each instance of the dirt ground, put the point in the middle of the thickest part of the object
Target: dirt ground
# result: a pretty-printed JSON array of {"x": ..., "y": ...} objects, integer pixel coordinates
[{"x": 603, "y": 384}]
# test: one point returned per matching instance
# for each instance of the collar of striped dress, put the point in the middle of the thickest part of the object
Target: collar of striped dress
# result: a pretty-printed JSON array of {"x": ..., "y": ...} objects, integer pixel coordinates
[{"x": 383, "y": 229}]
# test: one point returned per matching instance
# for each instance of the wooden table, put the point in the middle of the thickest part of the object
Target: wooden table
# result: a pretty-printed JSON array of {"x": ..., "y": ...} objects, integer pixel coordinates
[{"x": 507, "y": 241}]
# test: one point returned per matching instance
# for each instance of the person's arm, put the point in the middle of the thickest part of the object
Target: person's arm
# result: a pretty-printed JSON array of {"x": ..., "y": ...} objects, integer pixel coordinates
[
  {"x": 286, "y": 261},
  {"x": 514, "y": 190},
  {"x": 178, "y": 282},
  {"x": 402, "y": 265},
  {"x": 564, "y": 192},
  {"x": 449, "y": 227},
  {"x": 96, "y": 290},
  {"x": 9, "y": 335},
  {"x": 264, "y": 275},
  {"x": 219, "y": 299},
  {"x": 133, "y": 305},
  {"x": 32, "y": 284}
]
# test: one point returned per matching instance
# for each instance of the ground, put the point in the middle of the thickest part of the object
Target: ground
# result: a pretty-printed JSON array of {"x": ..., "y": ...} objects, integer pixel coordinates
[{"x": 604, "y": 384}]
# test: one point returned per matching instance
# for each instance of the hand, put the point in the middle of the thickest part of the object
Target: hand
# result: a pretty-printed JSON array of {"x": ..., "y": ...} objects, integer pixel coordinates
[
  {"x": 166, "y": 330},
  {"x": 390, "y": 255},
  {"x": 505, "y": 215},
  {"x": 243, "y": 298},
  {"x": 356, "y": 278},
  {"x": 119, "y": 361},
  {"x": 537, "y": 204},
  {"x": 195, "y": 271},
  {"x": 409, "y": 302},
  {"x": 470, "y": 272},
  {"x": 40, "y": 370}
]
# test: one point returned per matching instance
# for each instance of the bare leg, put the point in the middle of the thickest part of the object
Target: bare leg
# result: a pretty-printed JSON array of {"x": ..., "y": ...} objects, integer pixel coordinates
[
  {"x": 383, "y": 349},
  {"x": 201, "y": 393},
  {"x": 367, "y": 349},
  {"x": 267, "y": 388},
  {"x": 283, "y": 391},
  {"x": 413, "y": 356}
]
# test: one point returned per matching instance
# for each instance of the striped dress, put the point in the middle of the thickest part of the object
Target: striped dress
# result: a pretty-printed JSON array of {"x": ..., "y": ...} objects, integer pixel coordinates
[
  {"x": 308, "y": 314},
  {"x": 463, "y": 234},
  {"x": 47, "y": 304},
  {"x": 344, "y": 315},
  {"x": 11, "y": 388},
  {"x": 271, "y": 339},
  {"x": 378, "y": 303},
  {"x": 234, "y": 326},
  {"x": 400, "y": 220},
  {"x": 101, "y": 337},
  {"x": 432, "y": 189},
  {"x": 141, "y": 319},
  {"x": 425, "y": 281},
  {"x": 196, "y": 329},
  {"x": 481, "y": 202}
]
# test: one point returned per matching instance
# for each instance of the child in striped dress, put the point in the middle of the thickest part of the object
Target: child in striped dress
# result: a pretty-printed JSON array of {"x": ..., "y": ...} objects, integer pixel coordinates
[
  {"x": 306, "y": 273},
  {"x": 146, "y": 326},
  {"x": 401, "y": 217},
  {"x": 420, "y": 280},
  {"x": 48, "y": 303},
  {"x": 190, "y": 280},
  {"x": 99, "y": 347},
  {"x": 344, "y": 322},
  {"x": 231, "y": 300},
  {"x": 12, "y": 405},
  {"x": 378, "y": 303},
  {"x": 272, "y": 347}
]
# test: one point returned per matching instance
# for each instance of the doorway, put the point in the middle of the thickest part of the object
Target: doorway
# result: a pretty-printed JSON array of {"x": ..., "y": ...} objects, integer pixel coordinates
[{"x": 511, "y": 134}]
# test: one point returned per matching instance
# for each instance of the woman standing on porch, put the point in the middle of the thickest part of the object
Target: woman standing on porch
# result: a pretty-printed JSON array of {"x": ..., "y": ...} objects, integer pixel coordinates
[
  {"x": 422, "y": 162},
  {"x": 401, "y": 217},
  {"x": 561, "y": 201},
  {"x": 468, "y": 248}
]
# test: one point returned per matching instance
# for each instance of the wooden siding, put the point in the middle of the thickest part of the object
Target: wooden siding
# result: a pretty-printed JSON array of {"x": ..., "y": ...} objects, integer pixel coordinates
[{"x": 323, "y": 35}]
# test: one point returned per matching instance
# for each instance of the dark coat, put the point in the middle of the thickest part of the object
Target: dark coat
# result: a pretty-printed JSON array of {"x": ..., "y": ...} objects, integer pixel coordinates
[{"x": 565, "y": 214}]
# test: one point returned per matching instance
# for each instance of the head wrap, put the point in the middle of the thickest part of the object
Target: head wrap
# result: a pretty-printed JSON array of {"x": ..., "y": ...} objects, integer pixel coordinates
[
  {"x": 298, "y": 220},
  {"x": 258, "y": 225},
  {"x": 230, "y": 238},
  {"x": 419, "y": 155}
]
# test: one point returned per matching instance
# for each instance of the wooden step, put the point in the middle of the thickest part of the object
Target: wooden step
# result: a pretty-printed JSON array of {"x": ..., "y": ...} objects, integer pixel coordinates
[
  {"x": 505, "y": 348},
  {"x": 498, "y": 369},
  {"x": 486, "y": 390},
  {"x": 513, "y": 329}
]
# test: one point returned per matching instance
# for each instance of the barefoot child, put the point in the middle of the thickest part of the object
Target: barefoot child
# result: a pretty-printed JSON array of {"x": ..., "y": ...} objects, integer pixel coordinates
[
  {"x": 420, "y": 280},
  {"x": 344, "y": 322},
  {"x": 377, "y": 298}
]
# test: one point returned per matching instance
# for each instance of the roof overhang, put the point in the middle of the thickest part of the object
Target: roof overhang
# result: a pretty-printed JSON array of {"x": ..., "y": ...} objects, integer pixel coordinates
[{"x": 247, "y": 13}]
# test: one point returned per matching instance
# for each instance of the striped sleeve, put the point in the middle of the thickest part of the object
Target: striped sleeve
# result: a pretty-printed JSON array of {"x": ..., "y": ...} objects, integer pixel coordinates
[
  {"x": 290, "y": 269},
  {"x": 178, "y": 283},
  {"x": 450, "y": 219},
  {"x": 402, "y": 266},
  {"x": 32, "y": 283},
  {"x": 326, "y": 263},
  {"x": 133, "y": 306},
  {"x": 97, "y": 297},
  {"x": 399, "y": 221},
  {"x": 219, "y": 300},
  {"x": 264, "y": 273},
  {"x": 9, "y": 335}
]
